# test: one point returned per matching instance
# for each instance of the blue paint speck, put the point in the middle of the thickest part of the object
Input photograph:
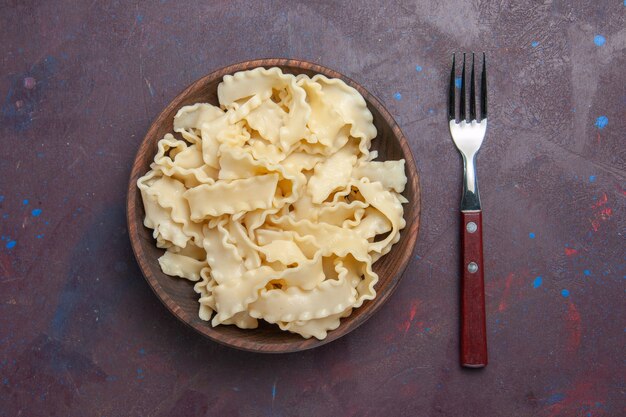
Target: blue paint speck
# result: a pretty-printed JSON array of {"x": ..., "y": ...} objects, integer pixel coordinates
[
  {"x": 531, "y": 235},
  {"x": 592, "y": 178},
  {"x": 555, "y": 398},
  {"x": 274, "y": 391},
  {"x": 601, "y": 122},
  {"x": 40, "y": 154},
  {"x": 418, "y": 68},
  {"x": 534, "y": 44},
  {"x": 40, "y": 236},
  {"x": 1, "y": 198},
  {"x": 139, "y": 18},
  {"x": 142, "y": 351},
  {"x": 537, "y": 282},
  {"x": 565, "y": 293},
  {"x": 457, "y": 82},
  {"x": 5, "y": 216},
  {"x": 5, "y": 381},
  {"x": 397, "y": 96},
  {"x": 36, "y": 212},
  {"x": 139, "y": 373},
  {"x": 11, "y": 244},
  {"x": 587, "y": 272},
  {"x": 25, "y": 202},
  {"x": 599, "y": 40}
]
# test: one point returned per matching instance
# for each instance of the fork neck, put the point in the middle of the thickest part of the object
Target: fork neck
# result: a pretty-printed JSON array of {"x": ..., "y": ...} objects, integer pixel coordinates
[{"x": 471, "y": 199}]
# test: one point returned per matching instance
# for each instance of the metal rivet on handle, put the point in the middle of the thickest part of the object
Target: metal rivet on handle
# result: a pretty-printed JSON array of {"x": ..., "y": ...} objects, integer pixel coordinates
[
  {"x": 471, "y": 227},
  {"x": 472, "y": 267}
]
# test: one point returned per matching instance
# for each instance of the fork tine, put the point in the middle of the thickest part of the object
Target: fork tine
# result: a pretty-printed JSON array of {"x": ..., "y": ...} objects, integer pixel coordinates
[
  {"x": 483, "y": 90},
  {"x": 472, "y": 104},
  {"x": 451, "y": 93},
  {"x": 462, "y": 104}
]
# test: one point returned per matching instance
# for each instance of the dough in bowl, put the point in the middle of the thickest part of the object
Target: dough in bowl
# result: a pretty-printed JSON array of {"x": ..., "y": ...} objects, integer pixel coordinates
[{"x": 273, "y": 203}]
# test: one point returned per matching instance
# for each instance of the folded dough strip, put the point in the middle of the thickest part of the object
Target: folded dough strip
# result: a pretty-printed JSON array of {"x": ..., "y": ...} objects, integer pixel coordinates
[
  {"x": 236, "y": 164},
  {"x": 317, "y": 328},
  {"x": 231, "y": 197},
  {"x": 182, "y": 266},
  {"x": 295, "y": 304},
  {"x": 222, "y": 256},
  {"x": 165, "y": 230},
  {"x": 330, "y": 239},
  {"x": 388, "y": 204},
  {"x": 235, "y": 295},
  {"x": 331, "y": 174},
  {"x": 351, "y": 107},
  {"x": 184, "y": 162},
  {"x": 261, "y": 82},
  {"x": 389, "y": 173},
  {"x": 169, "y": 194},
  {"x": 342, "y": 214},
  {"x": 194, "y": 116}
]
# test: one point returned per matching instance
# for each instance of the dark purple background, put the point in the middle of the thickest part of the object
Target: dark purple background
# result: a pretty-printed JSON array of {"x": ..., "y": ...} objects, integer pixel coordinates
[{"x": 81, "y": 333}]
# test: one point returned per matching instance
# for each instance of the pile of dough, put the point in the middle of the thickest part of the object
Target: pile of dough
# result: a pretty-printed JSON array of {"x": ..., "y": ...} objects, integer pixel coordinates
[{"x": 272, "y": 203}]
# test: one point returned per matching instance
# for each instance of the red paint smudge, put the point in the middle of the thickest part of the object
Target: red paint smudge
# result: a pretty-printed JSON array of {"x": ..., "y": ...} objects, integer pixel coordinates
[
  {"x": 573, "y": 326},
  {"x": 406, "y": 325},
  {"x": 413, "y": 311},
  {"x": 410, "y": 389},
  {"x": 506, "y": 293},
  {"x": 588, "y": 395},
  {"x": 570, "y": 251},
  {"x": 601, "y": 201},
  {"x": 601, "y": 213},
  {"x": 341, "y": 369},
  {"x": 6, "y": 266},
  {"x": 389, "y": 337}
]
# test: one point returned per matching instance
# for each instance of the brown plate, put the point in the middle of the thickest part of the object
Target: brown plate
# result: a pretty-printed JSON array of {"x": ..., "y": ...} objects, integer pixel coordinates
[{"x": 178, "y": 295}]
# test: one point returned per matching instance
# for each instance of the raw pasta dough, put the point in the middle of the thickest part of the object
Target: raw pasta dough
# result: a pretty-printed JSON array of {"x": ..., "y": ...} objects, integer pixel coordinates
[{"x": 272, "y": 202}]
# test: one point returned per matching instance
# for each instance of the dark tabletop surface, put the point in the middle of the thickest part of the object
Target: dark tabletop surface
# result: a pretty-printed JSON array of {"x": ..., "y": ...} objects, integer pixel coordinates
[{"x": 82, "y": 334}]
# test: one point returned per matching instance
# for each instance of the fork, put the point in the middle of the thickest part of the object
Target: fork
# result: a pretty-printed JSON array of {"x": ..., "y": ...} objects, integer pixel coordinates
[{"x": 468, "y": 136}]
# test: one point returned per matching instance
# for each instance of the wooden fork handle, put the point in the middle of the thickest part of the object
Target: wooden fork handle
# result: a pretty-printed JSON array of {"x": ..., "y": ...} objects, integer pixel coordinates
[{"x": 473, "y": 323}]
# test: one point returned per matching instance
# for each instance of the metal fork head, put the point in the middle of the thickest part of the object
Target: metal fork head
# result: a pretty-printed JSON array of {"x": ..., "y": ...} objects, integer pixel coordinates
[{"x": 467, "y": 134}]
